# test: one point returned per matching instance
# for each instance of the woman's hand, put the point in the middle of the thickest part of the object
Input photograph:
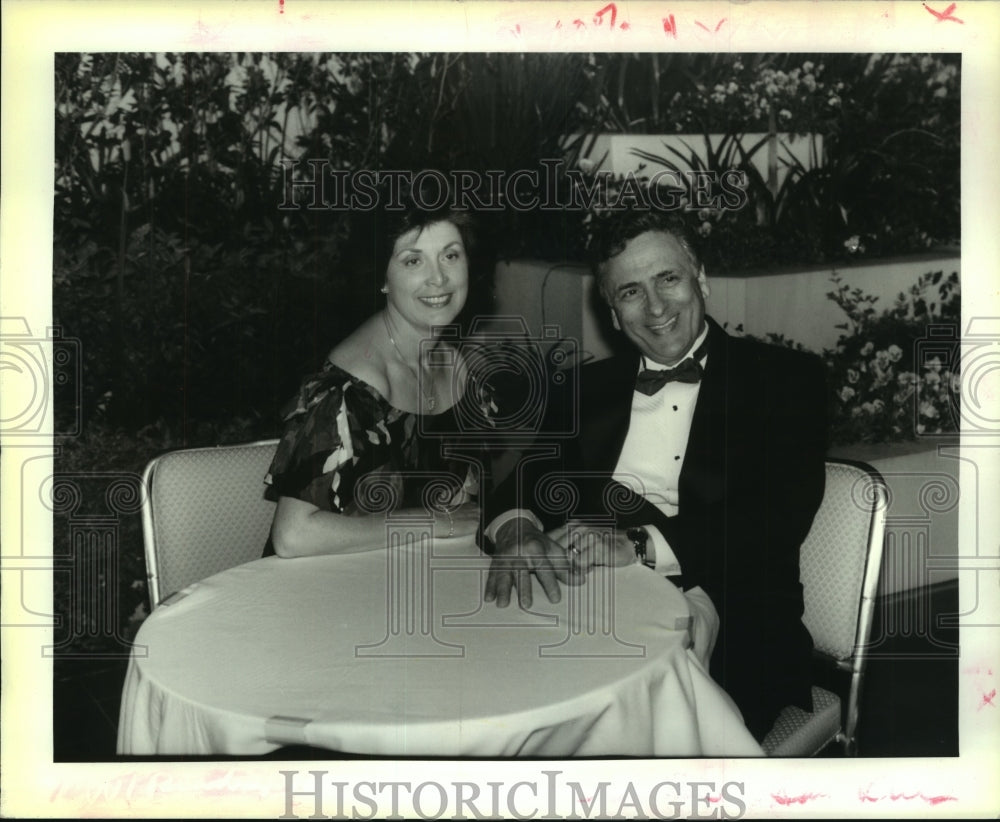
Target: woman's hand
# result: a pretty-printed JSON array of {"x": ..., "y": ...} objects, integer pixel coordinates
[{"x": 588, "y": 546}]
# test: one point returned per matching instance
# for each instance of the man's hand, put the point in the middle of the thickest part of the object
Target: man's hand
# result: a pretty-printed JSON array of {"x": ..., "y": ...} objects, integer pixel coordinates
[
  {"x": 588, "y": 546},
  {"x": 523, "y": 550}
]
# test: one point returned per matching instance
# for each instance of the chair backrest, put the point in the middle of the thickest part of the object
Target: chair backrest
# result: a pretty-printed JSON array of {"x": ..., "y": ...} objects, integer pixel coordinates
[
  {"x": 204, "y": 511},
  {"x": 841, "y": 558}
]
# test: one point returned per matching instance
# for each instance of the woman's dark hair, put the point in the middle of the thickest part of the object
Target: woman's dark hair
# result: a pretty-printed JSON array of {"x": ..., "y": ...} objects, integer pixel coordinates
[{"x": 374, "y": 233}]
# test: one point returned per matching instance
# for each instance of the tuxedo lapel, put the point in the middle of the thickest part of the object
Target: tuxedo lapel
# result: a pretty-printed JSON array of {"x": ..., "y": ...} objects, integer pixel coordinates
[
  {"x": 607, "y": 408},
  {"x": 703, "y": 470}
]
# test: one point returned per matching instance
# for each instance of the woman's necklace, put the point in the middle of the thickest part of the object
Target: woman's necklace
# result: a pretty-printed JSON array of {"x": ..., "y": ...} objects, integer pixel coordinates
[{"x": 429, "y": 399}]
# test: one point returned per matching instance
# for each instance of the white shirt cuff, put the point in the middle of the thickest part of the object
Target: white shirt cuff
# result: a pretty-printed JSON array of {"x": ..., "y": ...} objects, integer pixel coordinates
[
  {"x": 666, "y": 560},
  {"x": 502, "y": 519}
]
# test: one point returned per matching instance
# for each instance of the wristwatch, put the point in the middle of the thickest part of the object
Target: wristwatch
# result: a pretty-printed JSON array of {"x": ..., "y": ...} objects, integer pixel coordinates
[{"x": 639, "y": 537}]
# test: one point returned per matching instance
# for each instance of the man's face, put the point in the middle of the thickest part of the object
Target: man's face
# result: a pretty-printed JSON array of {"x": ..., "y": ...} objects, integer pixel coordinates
[{"x": 657, "y": 296}]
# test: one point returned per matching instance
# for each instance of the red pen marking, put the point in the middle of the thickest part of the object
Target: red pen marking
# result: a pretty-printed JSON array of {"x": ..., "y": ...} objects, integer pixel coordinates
[
  {"x": 988, "y": 700},
  {"x": 937, "y": 800},
  {"x": 782, "y": 799},
  {"x": 713, "y": 798},
  {"x": 944, "y": 15},
  {"x": 579, "y": 23},
  {"x": 599, "y": 17},
  {"x": 669, "y": 26},
  {"x": 281, "y": 5},
  {"x": 717, "y": 25},
  {"x": 625, "y": 26},
  {"x": 864, "y": 796}
]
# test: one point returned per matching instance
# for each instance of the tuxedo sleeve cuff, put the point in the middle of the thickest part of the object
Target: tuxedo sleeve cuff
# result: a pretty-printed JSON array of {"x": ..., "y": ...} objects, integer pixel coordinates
[
  {"x": 502, "y": 519},
  {"x": 666, "y": 561}
]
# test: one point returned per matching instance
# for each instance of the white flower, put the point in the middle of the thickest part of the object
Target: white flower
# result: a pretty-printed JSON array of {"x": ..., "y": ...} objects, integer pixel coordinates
[
  {"x": 853, "y": 244},
  {"x": 932, "y": 378},
  {"x": 928, "y": 410},
  {"x": 895, "y": 353},
  {"x": 934, "y": 364},
  {"x": 878, "y": 405},
  {"x": 807, "y": 66},
  {"x": 867, "y": 407},
  {"x": 834, "y": 101},
  {"x": 846, "y": 393},
  {"x": 852, "y": 376},
  {"x": 867, "y": 349},
  {"x": 785, "y": 113}
]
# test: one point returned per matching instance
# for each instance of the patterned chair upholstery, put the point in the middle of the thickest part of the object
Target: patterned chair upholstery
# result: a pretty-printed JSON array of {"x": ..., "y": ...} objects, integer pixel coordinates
[
  {"x": 204, "y": 511},
  {"x": 840, "y": 562}
]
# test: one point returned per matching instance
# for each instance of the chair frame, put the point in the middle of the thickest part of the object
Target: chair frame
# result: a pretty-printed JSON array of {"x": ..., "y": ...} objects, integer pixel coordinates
[
  {"x": 149, "y": 515},
  {"x": 856, "y": 664}
]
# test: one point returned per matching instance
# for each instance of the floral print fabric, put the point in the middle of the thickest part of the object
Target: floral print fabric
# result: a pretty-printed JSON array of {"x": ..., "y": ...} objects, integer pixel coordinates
[{"x": 346, "y": 449}]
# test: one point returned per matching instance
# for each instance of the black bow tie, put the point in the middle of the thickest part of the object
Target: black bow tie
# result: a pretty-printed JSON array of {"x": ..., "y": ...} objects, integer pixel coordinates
[{"x": 651, "y": 380}]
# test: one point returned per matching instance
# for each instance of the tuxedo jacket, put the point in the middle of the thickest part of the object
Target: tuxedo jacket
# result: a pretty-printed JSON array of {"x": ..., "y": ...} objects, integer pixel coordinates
[{"x": 751, "y": 480}]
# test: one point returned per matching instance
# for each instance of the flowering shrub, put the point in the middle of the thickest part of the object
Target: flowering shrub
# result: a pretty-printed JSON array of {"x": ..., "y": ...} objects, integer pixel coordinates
[{"x": 881, "y": 390}]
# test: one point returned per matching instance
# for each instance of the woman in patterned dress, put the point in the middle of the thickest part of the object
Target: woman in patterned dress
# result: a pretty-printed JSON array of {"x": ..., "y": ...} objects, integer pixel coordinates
[{"x": 390, "y": 421}]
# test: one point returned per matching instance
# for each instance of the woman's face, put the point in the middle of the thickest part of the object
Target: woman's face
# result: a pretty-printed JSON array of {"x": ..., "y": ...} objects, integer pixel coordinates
[{"x": 427, "y": 279}]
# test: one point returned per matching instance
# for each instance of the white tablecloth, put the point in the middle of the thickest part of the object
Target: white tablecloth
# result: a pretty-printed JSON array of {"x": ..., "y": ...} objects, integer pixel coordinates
[{"x": 394, "y": 653}]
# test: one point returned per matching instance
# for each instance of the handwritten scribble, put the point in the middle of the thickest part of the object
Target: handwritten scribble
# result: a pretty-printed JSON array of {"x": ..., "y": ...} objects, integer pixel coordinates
[
  {"x": 801, "y": 799},
  {"x": 865, "y": 796},
  {"x": 670, "y": 26},
  {"x": 988, "y": 700},
  {"x": 717, "y": 25},
  {"x": 947, "y": 14},
  {"x": 599, "y": 16}
]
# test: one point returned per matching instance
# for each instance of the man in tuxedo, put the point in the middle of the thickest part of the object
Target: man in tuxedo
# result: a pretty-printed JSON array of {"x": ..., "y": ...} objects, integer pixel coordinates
[{"x": 716, "y": 446}]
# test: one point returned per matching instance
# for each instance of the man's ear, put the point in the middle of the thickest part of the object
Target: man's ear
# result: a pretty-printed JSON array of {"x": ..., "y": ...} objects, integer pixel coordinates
[
  {"x": 614, "y": 320},
  {"x": 703, "y": 283}
]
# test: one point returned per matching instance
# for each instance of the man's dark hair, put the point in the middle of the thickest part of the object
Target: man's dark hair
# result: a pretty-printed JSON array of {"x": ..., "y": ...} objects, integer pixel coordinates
[{"x": 612, "y": 231}]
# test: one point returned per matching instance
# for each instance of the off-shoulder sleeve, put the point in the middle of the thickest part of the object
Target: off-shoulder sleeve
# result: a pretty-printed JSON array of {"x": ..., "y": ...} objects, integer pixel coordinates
[{"x": 316, "y": 444}]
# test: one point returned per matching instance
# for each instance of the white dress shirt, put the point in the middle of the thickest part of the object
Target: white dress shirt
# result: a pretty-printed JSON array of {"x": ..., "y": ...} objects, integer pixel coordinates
[{"x": 653, "y": 452}]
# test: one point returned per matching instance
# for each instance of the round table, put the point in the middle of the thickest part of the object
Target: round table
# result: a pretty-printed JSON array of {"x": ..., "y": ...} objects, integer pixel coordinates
[{"x": 394, "y": 653}]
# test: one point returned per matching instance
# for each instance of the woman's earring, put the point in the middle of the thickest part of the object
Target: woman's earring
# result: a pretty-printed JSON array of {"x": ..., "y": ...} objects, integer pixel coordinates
[{"x": 384, "y": 289}]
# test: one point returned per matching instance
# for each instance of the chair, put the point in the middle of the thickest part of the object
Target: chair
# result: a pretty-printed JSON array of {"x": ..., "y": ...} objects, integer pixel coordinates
[
  {"x": 204, "y": 511},
  {"x": 840, "y": 562}
]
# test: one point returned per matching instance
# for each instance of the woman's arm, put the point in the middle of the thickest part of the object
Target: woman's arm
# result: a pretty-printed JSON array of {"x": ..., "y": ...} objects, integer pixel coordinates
[{"x": 301, "y": 529}]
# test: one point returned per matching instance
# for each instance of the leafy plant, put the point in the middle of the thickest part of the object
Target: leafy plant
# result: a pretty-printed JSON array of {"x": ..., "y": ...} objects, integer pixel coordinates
[{"x": 881, "y": 392}]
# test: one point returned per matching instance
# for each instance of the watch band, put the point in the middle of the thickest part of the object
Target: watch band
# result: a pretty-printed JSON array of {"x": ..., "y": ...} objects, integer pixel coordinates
[{"x": 639, "y": 537}]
